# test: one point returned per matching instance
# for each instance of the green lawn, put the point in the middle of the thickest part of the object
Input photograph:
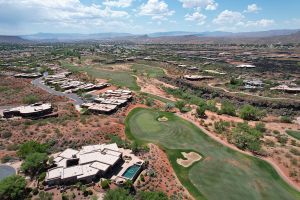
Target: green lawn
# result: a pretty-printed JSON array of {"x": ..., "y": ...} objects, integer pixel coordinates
[
  {"x": 222, "y": 174},
  {"x": 118, "y": 78},
  {"x": 294, "y": 134},
  {"x": 147, "y": 70}
]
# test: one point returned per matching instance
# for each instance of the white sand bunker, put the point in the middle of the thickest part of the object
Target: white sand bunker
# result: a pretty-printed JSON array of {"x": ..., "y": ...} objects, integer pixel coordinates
[
  {"x": 190, "y": 158},
  {"x": 162, "y": 119}
]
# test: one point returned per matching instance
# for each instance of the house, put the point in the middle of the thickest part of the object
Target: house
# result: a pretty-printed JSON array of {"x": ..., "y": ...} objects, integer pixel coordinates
[
  {"x": 253, "y": 84},
  {"x": 197, "y": 77},
  {"x": 28, "y": 75},
  {"x": 109, "y": 102},
  {"x": 30, "y": 111},
  {"x": 245, "y": 66},
  {"x": 88, "y": 164}
]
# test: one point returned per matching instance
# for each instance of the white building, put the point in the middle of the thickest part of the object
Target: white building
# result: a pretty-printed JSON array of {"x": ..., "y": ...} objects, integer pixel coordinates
[{"x": 84, "y": 165}]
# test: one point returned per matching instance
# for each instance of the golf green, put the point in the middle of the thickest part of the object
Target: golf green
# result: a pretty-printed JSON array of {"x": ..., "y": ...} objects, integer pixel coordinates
[{"x": 222, "y": 173}]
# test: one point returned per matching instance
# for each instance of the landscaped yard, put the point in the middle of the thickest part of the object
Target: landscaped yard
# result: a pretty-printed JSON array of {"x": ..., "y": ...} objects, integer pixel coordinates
[{"x": 221, "y": 174}]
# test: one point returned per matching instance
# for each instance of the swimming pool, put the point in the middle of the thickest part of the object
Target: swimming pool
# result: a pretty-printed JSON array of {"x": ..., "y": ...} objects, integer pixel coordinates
[
  {"x": 131, "y": 172},
  {"x": 6, "y": 171}
]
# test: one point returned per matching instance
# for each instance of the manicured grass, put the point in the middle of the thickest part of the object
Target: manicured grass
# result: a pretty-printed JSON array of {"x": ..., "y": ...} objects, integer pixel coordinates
[
  {"x": 222, "y": 173},
  {"x": 118, "y": 78},
  {"x": 294, "y": 134},
  {"x": 147, "y": 70}
]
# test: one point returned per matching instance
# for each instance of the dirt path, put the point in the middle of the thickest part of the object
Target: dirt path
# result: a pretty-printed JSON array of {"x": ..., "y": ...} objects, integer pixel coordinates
[{"x": 249, "y": 94}]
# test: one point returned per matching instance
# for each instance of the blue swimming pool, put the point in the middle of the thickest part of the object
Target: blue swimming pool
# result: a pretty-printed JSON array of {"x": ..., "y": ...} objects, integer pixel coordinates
[
  {"x": 6, "y": 171},
  {"x": 131, "y": 172}
]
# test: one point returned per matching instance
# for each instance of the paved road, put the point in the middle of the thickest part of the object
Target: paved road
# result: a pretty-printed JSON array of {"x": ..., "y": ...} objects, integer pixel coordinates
[{"x": 38, "y": 83}]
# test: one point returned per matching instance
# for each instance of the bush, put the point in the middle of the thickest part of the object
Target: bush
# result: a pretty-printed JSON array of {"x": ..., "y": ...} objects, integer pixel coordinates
[
  {"x": 6, "y": 134},
  {"x": 105, "y": 184},
  {"x": 282, "y": 139},
  {"x": 149, "y": 101},
  {"x": 221, "y": 126},
  {"x": 228, "y": 108},
  {"x": 286, "y": 119},
  {"x": 249, "y": 112},
  {"x": 260, "y": 127},
  {"x": 180, "y": 105},
  {"x": 30, "y": 99},
  {"x": 143, "y": 195},
  {"x": 246, "y": 137},
  {"x": 35, "y": 191},
  {"x": 6, "y": 159},
  {"x": 201, "y": 111}
]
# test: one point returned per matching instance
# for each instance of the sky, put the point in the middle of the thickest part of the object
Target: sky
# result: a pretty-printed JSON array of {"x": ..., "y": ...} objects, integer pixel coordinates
[{"x": 19, "y": 17}]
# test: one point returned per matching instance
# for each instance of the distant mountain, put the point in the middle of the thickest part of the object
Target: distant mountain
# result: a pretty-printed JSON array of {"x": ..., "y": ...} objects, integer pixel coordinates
[
  {"x": 194, "y": 39},
  {"x": 225, "y": 34},
  {"x": 11, "y": 39},
  {"x": 73, "y": 36},
  {"x": 171, "y": 33}
]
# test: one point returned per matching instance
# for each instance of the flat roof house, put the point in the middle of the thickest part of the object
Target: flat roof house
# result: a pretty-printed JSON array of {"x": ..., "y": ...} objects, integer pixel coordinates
[
  {"x": 84, "y": 165},
  {"x": 33, "y": 110}
]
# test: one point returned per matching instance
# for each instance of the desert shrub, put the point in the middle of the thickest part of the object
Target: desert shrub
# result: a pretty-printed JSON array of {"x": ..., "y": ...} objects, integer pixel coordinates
[
  {"x": 6, "y": 159},
  {"x": 246, "y": 137},
  {"x": 6, "y": 134},
  {"x": 30, "y": 99},
  {"x": 282, "y": 139},
  {"x": 260, "y": 127},
  {"x": 295, "y": 151},
  {"x": 149, "y": 101},
  {"x": 228, "y": 108},
  {"x": 286, "y": 119},
  {"x": 248, "y": 112},
  {"x": 221, "y": 126},
  {"x": 201, "y": 111}
]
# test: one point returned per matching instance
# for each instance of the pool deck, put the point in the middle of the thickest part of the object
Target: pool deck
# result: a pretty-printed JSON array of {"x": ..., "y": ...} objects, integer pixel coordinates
[{"x": 128, "y": 163}]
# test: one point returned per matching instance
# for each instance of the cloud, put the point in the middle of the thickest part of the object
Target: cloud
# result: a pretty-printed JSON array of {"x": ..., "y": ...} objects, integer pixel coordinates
[
  {"x": 57, "y": 13},
  {"x": 258, "y": 23},
  {"x": 232, "y": 20},
  {"x": 228, "y": 17},
  {"x": 197, "y": 17},
  {"x": 158, "y": 10},
  {"x": 118, "y": 3},
  {"x": 253, "y": 8},
  {"x": 199, "y": 4}
]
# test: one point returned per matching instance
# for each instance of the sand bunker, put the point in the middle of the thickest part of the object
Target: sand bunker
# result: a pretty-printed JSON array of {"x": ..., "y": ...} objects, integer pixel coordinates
[
  {"x": 190, "y": 158},
  {"x": 162, "y": 119}
]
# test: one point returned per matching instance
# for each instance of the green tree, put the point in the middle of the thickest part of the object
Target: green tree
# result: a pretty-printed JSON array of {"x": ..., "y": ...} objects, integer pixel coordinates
[
  {"x": 30, "y": 147},
  {"x": 34, "y": 163},
  {"x": 201, "y": 111},
  {"x": 143, "y": 195},
  {"x": 118, "y": 194},
  {"x": 12, "y": 188},
  {"x": 248, "y": 112}
]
